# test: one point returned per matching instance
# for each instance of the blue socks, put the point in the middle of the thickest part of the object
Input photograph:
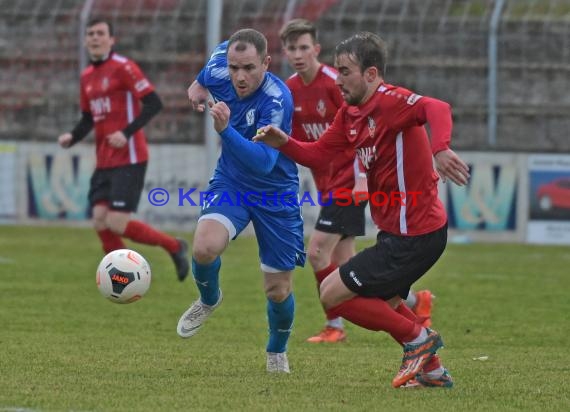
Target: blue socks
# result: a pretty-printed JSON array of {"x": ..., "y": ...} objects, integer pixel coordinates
[
  {"x": 280, "y": 317},
  {"x": 207, "y": 280}
]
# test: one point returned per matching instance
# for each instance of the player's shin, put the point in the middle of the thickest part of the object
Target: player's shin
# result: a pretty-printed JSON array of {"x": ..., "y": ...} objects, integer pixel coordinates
[
  {"x": 280, "y": 317},
  {"x": 376, "y": 314},
  {"x": 207, "y": 280},
  {"x": 110, "y": 240}
]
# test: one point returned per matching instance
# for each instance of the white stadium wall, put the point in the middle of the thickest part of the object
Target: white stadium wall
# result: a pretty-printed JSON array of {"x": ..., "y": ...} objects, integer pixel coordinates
[{"x": 511, "y": 197}]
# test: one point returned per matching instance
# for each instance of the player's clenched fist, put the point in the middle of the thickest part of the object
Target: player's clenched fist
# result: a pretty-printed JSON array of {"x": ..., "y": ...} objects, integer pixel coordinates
[
  {"x": 64, "y": 140},
  {"x": 221, "y": 115}
]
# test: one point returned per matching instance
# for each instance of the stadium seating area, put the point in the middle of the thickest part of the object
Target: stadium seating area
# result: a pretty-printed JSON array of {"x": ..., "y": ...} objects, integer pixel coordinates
[{"x": 437, "y": 47}]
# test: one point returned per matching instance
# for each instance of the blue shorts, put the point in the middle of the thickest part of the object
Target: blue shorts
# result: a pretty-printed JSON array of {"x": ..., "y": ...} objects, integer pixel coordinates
[{"x": 277, "y": 222}]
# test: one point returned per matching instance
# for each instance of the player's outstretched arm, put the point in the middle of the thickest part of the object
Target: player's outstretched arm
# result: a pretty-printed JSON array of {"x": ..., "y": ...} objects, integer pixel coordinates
[
  {"x": 271, "y": 136},
  {"x": 450, "y": 166}
]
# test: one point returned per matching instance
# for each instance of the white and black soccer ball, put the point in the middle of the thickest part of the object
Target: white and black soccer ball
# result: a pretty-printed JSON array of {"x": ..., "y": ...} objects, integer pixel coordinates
[{"x": 123, "y": 276}]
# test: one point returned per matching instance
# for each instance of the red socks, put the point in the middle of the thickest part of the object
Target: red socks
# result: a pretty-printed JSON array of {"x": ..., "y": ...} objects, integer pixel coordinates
[
  {"x": 376, "y": 314},
  {"x": 110, "y": 240},
  {"x": 405, "y": 311},
  {"x": 320, "y": 275},
  {"x": 142, "y": 233}
]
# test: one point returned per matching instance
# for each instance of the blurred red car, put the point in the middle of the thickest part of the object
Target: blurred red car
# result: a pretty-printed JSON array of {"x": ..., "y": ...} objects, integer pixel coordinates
[{"x": 555, "y": 194}]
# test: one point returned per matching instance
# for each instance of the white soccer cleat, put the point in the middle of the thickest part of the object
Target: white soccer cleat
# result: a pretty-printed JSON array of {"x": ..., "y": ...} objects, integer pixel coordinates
[
  {"x": 192, "y": 320},
  {"x": 277, "y": 363}
]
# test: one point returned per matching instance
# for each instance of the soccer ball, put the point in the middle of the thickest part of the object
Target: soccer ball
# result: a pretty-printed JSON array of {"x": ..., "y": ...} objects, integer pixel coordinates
[{"x": 123, "y": 276}]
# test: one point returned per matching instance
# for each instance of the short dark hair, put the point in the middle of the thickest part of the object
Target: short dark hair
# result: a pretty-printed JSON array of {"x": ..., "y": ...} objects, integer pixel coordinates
[
  {"x": 97, "y": 20},
  {"x": 367, "y": 50},
  {"x": 249, "y": 36},
  {"x": 297, "y": 27}
]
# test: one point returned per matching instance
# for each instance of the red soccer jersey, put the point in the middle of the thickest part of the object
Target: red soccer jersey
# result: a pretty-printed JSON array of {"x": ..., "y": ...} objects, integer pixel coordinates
[
  {"x": 316, "y": 104},
  {"x": 111, "y": 91},
  {"x": 388, "y": 135}
]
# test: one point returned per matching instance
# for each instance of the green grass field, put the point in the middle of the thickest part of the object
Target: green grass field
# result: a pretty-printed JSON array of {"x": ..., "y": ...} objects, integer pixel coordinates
[{"x": 63, "y": 347}]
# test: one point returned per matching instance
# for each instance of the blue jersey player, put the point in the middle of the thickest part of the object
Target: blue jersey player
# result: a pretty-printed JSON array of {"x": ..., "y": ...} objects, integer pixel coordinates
[{"x": 252, "y": 183}]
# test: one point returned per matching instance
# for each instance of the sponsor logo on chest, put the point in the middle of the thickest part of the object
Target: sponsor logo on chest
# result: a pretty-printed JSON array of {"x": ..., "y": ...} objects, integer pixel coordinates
[
  {"x": 367, "y": 155},
  {"x": 100, "y": 106},
  {"x": 314, "y": 130}
]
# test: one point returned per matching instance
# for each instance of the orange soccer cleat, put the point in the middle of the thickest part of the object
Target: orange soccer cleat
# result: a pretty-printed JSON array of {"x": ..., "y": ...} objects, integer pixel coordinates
[
  {"x": 328, "y": 334},
  {"x": 416, "y": 356},
  {"x": 422, "y": 308}
]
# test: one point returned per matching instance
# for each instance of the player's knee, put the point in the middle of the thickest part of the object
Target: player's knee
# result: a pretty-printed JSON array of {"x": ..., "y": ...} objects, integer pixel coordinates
[
  {"x": 326, "y": 299},
  {"x": 329, "y": 298},
  {"x": 117, "y": 222},
  {"x": 98, "y": 219},
  {"x": 204, "y": 252},
  {"x": 115, "y": 228},
  {"x": 277, "y": 293},
  {"x": 317, "y": 261},
  {"x": 112, "y": 224},
  {"x": 98, "y": 224},
  {"x": 318, "y": 257},
  {"x": 394, "y": 302}
]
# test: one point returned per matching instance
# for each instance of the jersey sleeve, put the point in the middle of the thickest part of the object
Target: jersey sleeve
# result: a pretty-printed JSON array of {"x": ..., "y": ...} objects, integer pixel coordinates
[
  {"x": 215, "y": 76},
  {"x": 404, "y": 109},
  {"x": 277, "y": 111},
  {"x": 83, "y": 100},
  {"x": 135, "y": 80},
  {"x": 399, "y": 108},
  {"x": 312, "y": 154}
]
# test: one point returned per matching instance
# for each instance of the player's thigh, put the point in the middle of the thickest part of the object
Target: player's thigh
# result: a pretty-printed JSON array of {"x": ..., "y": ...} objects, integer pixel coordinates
[
  {"x": 99, "y": 187},
  {"x": 279, "y": 237},
  {"x": 127, "y": 183},
  {"x": 393, "y": 264}
]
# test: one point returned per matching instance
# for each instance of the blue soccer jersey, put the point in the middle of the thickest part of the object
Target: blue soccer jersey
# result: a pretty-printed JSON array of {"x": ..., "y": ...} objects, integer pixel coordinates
[{"x": 271, "y": 103}]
